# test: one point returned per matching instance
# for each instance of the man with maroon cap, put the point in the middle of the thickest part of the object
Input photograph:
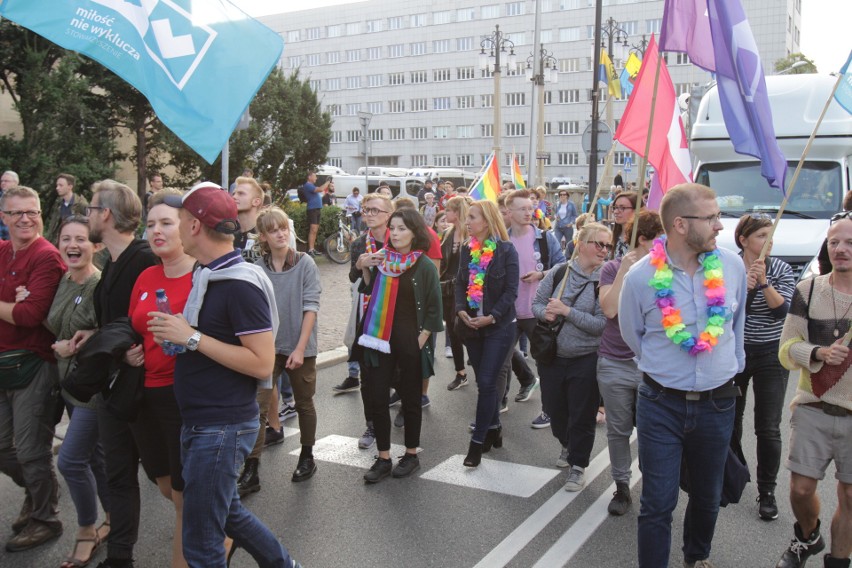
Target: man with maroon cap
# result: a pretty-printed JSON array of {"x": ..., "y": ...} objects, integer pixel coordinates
[{"x": 228, "y": 327}]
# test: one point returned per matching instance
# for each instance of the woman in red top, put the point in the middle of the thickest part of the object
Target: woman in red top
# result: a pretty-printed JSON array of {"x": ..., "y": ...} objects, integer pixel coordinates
[{"x": 157, "y": 429}]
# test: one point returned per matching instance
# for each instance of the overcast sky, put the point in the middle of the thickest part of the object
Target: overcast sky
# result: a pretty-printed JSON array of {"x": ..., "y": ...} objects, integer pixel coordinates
[{"x": 825, "y": 25}]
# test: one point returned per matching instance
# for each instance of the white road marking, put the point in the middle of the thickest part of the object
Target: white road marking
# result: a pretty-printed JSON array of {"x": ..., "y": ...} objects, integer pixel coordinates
[
  {"x": 344, "y": 450},
  {"x": 493, "y": 475}
]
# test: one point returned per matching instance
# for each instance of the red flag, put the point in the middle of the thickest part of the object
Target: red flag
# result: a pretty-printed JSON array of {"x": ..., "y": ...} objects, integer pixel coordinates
[{"x": 669, "y": 153}]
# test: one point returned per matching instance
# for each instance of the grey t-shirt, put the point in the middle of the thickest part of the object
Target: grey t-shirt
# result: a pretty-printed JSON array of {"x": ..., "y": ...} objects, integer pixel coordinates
[{"x": 612, "y": 345}]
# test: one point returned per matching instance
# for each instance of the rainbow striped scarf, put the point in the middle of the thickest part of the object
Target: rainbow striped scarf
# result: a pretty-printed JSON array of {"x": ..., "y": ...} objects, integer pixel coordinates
[{"x": 378, "y": 320}]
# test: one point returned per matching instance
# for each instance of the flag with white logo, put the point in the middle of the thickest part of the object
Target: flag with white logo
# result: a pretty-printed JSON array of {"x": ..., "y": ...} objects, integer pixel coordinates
[
  {"x": 198, "y": 63},
  {"x": 844, "y": 89}
]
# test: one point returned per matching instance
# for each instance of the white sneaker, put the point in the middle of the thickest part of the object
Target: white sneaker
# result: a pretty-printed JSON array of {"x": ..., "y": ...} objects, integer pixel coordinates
[
  {"x": 448, "y": 352},
  {"x": 576, "y": 479},
  {"x": 563, "y": 458}
]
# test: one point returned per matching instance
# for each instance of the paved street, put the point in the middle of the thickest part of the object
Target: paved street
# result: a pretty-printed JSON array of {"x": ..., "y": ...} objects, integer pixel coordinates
[{"x": 335, "y": 303}]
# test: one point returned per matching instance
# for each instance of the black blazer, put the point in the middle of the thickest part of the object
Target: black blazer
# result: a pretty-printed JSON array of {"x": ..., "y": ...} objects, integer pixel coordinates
[{"x": 501, "y": 286}]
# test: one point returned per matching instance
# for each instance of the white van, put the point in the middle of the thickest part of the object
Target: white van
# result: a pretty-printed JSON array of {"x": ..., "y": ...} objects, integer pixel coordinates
[{"x": 796, "y": 101}]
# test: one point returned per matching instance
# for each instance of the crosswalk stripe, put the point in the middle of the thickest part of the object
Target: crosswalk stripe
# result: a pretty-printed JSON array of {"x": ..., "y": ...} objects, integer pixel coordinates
[
  {"x": 492, "y": 475},
  {"x": 344, "y": 450},
  {"x": 564, "y": 549}
]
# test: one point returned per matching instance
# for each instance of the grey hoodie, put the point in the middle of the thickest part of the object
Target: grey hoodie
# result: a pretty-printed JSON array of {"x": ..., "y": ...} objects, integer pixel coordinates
[{"x": 584, "y": 325}]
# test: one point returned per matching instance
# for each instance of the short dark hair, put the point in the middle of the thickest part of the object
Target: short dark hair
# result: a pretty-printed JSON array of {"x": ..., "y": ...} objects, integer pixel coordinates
[
  {"x": 414, "y": 221},
  {"x": 72, "y": 181}
]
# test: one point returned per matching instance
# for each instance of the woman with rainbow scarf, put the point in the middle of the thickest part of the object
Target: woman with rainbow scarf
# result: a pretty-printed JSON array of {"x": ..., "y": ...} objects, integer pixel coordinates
[
  {"x": 404, "y": 310},
  {"x": 486, "y": 289}
]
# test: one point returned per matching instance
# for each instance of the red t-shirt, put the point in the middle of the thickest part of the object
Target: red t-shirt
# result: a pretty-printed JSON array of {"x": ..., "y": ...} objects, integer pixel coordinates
[
  {"x": 159, "y": 368},
  {"x": 434, "y": 251}
]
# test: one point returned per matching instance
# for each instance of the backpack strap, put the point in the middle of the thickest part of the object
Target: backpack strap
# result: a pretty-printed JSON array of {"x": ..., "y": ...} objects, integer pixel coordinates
[{"x": 544, "y": 250}]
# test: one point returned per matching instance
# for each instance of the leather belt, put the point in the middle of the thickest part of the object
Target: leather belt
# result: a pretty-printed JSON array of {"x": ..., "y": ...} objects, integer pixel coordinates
[
  {"x": 727, "y": 390},
  {"x": 830, "y": 409}
]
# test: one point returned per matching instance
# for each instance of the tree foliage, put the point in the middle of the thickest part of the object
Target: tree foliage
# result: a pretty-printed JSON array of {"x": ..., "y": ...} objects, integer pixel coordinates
[
  {"x": 65, "y": 127},
  {"x": 787, "y": 63}
]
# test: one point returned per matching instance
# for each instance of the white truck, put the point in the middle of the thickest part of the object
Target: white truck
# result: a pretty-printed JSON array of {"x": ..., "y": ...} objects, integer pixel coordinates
[{"x": 796, "y": 101}]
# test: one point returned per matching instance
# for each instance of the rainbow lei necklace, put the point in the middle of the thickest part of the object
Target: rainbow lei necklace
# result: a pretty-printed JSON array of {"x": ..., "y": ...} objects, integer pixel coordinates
[
  {"x": 717, "y": 313},
  {"x": 480, "y": 257}
]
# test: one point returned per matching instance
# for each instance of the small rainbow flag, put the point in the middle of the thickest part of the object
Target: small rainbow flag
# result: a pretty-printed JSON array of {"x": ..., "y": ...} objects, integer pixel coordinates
[
  {"x": 517, "y": 178},
  {"x": 488, "y": 186}
]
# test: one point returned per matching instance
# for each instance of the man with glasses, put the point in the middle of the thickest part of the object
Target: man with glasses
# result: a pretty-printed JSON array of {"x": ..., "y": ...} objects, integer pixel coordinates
[
  {"x": 688, "y": 359},
  {"x": 814, "y": 342},
  {"x": 29, "y": 372}
]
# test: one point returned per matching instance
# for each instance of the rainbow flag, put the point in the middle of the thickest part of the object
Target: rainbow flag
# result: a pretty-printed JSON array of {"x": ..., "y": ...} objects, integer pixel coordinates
[
  {"x": 488, "y": 186},
  {"x": 517, "y": 178}
]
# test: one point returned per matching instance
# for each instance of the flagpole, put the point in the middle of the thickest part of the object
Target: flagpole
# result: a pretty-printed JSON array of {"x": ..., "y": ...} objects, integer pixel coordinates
[
  {"x": 765, "y": 250},
  {"x": 644, "y": 162}
]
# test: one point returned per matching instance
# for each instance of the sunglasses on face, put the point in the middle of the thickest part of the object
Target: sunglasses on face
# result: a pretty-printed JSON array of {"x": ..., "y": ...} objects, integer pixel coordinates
[
  {"x": 601, "y": 246},
  {"x": 842, "y": 215}
]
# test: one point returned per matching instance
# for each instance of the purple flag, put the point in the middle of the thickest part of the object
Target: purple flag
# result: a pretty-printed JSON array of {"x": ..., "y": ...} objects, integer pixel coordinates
[
  {"x": 686, "y": 29},
  {"x": 742, "y": 90}
]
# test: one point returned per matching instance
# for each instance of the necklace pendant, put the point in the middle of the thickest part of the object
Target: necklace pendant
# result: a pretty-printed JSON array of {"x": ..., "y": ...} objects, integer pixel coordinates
[{"x": 836, "y": 332}]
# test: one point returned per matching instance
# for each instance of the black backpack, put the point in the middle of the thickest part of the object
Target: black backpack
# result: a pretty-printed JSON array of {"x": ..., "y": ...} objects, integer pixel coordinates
[{"x": 302, "y": 197}]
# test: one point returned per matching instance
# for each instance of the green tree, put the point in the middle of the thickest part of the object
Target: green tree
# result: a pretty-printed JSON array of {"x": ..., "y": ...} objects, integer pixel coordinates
[
  {"x": 288, "y": 135},
  {"x": 792, "y": 59},
  {"x": 64, "y": 125}
]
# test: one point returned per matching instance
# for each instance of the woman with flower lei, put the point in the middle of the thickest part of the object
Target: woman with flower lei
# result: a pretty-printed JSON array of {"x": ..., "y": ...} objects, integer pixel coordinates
[{"x": 486, "y": 289}]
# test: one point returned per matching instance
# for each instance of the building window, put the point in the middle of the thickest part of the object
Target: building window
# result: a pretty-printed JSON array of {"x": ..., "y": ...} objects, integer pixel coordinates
[
  {"x": 377, "y": 135},
  {"x": 315, "y": 84},
  {"x": 569, "y": 65},
  {"x": 546, "y": 36},
  {"x": 569, "y": 96},
  {"x": 396, "y": 78},
  {"x": 396, "y": 23},
  {"x": 334, "y": 31},
  {"x": 419, "y": 160},
  {"x": 396, "y": 50},
  {"x": 465, "y": 101},
  {"x": 353, "y": 82},
  {"x": 547, "y": 129},
  {"x": 353, "y": 29},
  {"x": 464, "y": 44},
  {"x": 681, "y": 59},
  {"x": 336, "y": 137},
  {"x": 444, "y": 17},
  {"x": 313, "y": 33},
  {"x": 465, "y": 14},
  {"x": 465, "y": 131},
  {"x": 516, "y": 129},
  {"x": 508, "y": 159},
  {"x": 353, "y": 55},
  {"x": 396, "y": 106},
  {"x": 335, "y": 162},
  {"x": 375, "y": 26},
  {"x": 486, "y": 131},
  {"x": 374, "y": 80},
  {"x": 440, "y": 75},
  {"x": 683, "y": 88},
  {"x": 418, "y": 20},
  {"x": 653, "y": 26},
  {"x": 441, "y": 46},
  {"x": 396, "y": 134},
  {"x": 352, "y": 109},
  {"x": 491, "y": 11},
  {"x": 464, "y": 160},
  {"x": 418, "y": 105},
  {"x": 440, "y": 132},
  {"x": 332, "y": 84},
  {"x": 569, "y": 34},
  {"x": 294, "y": 62},
  {"x": 518, "y": 38},
  {"x": 631, "y": 27},
  {"x": 374, "y": 108},
  {"x": 332, "y": 57},
  {"x": 312, "y": 60},
  {"x": 294, "y": 36},
  {"x": 419, "y": 133},
  {"x": 515, "y": 9},
  {"x": 441, "y": 103},
  {"x": 465, "y": 73},
  {"x": 335, "y": 110},
  {"x": 417, "y": 48},
  {"x": 487, "y": 101},
  {"x": 619, "y": 157},
  {"x": 568, "y": 159},
  {"x": 443, "y": 160},
  {"x": 569, "y": 127},
  {"x": 548, "y": 97},
  {"x": 419, "y": 77},
  {"x": 516, "y": 99},
  {"x": 374, "y": 53},
  {"x": 353, "y": 135}
]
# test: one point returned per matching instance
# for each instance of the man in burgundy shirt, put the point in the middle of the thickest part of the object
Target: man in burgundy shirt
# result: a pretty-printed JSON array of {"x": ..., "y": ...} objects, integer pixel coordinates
[{"x": 27, "y": 367}]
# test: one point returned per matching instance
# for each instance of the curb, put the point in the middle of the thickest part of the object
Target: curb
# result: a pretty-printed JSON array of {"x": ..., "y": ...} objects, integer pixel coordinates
[{"x": 325, "y": 360}]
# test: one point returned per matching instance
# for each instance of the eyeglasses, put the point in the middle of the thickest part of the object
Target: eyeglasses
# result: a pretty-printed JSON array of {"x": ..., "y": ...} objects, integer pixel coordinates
[
  {"x": 711, "y": 219},
  {"x": 621, "y": 209},
  {"x": 372, "y": 211},
  {"x": 601, "y": 246},
  {"x": 91, "y": 208},
  {"x": 842, "y": 215},
  {"x": 18, "y": 214}
]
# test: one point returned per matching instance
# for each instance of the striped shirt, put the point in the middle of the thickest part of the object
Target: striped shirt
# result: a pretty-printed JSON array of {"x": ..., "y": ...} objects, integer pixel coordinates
[{"x": 763, "y": 324}]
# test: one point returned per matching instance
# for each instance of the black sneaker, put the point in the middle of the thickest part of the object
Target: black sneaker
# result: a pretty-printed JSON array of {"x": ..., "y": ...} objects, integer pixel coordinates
[
  {"x": 273, "y": 437},
  {"x": 349, "y": 384},
  {"x": 380, "y": 470},
  {"x": 408, "y": 464},
  {"x": 621, "y": 500},
  {"x": 399, "y": 421},
  {"x": 768, "y": 508},
  {"x": 459, "y": 382},
  {"x": 801, "y": 548},
  {"x": 394, "y": 399}
]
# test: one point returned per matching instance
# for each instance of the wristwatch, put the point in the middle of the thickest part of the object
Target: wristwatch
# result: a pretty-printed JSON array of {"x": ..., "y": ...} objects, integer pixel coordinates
[{"x": 192, "y": 342}]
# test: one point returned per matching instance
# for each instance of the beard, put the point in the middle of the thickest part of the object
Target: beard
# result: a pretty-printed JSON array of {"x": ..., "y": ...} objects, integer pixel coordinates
[
  {"x": 698, "y": 242},
  {"x": 95, "y": 235}
]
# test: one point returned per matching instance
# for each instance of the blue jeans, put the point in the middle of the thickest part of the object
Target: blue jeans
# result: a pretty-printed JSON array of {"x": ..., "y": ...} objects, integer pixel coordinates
[
  {"x": 670, "y": 427},
  {"x": 284, "y": 387},
  {"x": 212, "y": 457},
  {"x": 81, "y": 463},
  {"x": 488, "y": 355},
  {"x": 563, "y": 232}
]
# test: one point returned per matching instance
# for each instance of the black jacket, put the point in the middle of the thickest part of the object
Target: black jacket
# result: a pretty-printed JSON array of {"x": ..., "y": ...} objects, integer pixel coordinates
[{"x": 112, "y": 294}]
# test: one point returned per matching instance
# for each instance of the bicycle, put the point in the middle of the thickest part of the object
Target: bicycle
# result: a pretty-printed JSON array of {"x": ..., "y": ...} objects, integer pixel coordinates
[{"x": 337, "y": 244}]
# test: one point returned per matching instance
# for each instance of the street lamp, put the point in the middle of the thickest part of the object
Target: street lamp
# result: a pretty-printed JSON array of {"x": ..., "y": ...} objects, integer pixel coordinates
[
  {"x": 496, "y": 44},
  {"x": 548, "y": 72},
  {"x": 617, "y": 35},
  {"x": 364, "y": 118}
]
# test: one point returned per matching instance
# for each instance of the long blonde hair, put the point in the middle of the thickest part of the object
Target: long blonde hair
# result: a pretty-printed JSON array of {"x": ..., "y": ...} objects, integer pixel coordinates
[
  {"x": 268, "y": 220},
  {"x": 458, "y": 205},
  {"x": 496, "y": 227}
]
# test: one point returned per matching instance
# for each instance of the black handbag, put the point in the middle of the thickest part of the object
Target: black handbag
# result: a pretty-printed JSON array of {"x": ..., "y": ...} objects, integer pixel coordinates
[{"x": 543, "y": 339}]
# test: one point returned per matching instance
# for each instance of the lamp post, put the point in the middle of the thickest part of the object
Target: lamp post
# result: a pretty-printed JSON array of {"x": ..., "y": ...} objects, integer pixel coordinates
[
  {"x": 548, "y": 72},
  {"x": 496, "y": 44},
  {"x": 615, "y": 34},
  {"x": 364, "y": 118}
]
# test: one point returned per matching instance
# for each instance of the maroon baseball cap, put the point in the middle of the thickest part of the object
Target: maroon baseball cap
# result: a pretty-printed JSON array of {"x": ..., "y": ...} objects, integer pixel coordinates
[{"x": 211, "y": 205}]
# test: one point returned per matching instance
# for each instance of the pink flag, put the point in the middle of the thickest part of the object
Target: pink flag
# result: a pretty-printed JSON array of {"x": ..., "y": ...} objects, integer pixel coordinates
[
  {"x": 686, "y": 28},
  {"x": 669, "y": 153}
]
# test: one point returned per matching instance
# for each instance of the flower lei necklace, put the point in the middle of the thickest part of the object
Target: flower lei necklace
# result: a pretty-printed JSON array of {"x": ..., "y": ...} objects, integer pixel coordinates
[
  {"x": 717, "y": 313},
  {"x": 481, "y": 256}
]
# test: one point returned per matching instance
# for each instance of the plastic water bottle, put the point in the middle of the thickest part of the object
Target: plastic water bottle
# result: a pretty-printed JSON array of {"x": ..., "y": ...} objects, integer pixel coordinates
[{"x": 169, "y": 348}]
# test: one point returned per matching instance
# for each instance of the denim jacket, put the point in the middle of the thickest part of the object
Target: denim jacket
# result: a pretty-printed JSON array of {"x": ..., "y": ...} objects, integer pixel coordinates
[{"x": 501, "y": 286}]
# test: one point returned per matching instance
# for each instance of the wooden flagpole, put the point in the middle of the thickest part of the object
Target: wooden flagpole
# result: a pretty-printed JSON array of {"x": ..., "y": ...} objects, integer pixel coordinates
[{"x": 795, "y": 177}]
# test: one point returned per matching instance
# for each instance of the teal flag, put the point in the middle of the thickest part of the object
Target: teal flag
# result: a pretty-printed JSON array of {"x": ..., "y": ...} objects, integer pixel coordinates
[
  {"x": 199, "y": 63},
  {"x": 844, "y": 89}
]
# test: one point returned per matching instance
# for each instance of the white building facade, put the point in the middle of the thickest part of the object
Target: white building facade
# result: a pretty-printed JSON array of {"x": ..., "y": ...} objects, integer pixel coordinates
[{"x": 413, "y": 65}]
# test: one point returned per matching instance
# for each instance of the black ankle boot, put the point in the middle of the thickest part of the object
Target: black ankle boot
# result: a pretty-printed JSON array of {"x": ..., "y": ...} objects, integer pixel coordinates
[
  {"x": 249, "y": 481},
  {"x": 494, "y": 437},
  {"x": 474, "y": 455}
]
